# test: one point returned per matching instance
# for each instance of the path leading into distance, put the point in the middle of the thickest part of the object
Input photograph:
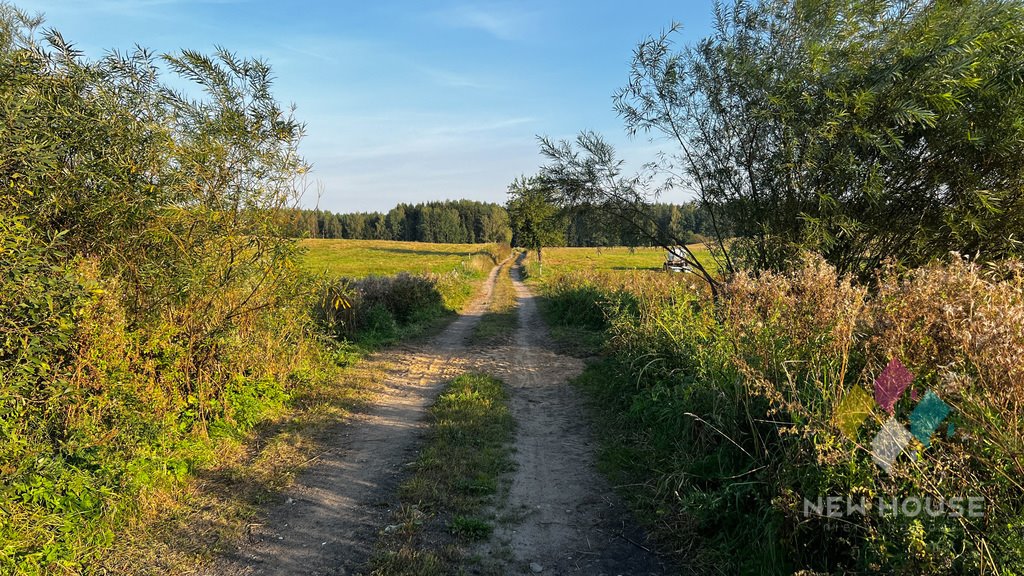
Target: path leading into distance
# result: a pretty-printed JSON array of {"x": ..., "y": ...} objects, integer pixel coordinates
[{"x": 560, "y": 516}]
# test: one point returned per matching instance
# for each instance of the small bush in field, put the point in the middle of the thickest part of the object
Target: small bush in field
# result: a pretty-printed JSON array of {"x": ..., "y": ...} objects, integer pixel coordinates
[
  {"x": 377, "y": 305},
  {"x": 406, "y": 296},
  {"x": 379, "y": 323},
  {"x": 347, "y": 308}
]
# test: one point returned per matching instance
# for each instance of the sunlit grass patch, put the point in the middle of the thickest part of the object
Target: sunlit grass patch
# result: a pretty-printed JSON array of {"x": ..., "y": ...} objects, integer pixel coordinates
[
  {"x": 181, "y": 525},
  {"x": 617, "y": 258},
  {"x": 359, "y": 258},
  {"x": 456, "y": 476}
]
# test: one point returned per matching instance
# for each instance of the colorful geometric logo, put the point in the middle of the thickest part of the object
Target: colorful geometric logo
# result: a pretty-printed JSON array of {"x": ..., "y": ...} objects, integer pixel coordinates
[{"x": 893, "y": 438}]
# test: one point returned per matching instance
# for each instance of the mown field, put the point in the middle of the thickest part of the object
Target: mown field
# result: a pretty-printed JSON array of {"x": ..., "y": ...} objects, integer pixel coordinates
[
  {"x": 360, "y": 258},
  {"x": 377, "y": 291},
  {"x": 615, "y": 258}
]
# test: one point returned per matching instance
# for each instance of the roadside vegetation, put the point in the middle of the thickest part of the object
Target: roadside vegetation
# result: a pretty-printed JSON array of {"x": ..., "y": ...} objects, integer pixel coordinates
[
  {"x": 859, "y": 333},
  {"x": 179, "y": 524},
  {"x": 165, "y": 363},
  {"x": 170, "y": 353},
  {"x": 723, "y": 418},
  {"x": 455, "y": 480}
]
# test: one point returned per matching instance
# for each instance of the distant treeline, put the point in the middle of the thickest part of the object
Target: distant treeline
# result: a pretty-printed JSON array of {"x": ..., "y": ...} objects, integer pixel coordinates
[
  {"x": 469, "y": 221},
  {"x": 449, "y": 221},
  {"x": 685, "y": 221}
]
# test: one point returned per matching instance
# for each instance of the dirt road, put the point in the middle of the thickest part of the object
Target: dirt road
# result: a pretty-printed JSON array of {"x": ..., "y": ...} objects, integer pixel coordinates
[
  {"x": 329, "y": 521},
  {"x": 561, "y": 515}
]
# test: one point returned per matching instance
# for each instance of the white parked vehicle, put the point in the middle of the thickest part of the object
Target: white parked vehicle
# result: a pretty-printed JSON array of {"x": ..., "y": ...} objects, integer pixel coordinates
[{"x": 675, "y": 260}]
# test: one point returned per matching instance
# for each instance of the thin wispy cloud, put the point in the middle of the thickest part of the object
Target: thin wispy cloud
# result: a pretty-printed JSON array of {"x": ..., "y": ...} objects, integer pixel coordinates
[
  {"x": 401, "y": 139},
  {"x": 331, "y": 57},
  {"x": 485, "y": 126},
  {"x": 451, "y": 79},
  {"x": 500, "y": 21},
  {"x": 142, "y": 8}
]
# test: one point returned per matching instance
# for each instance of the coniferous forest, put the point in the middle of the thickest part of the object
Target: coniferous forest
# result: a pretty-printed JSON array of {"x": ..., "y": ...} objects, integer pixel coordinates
[{"x": 472, "y": 222}]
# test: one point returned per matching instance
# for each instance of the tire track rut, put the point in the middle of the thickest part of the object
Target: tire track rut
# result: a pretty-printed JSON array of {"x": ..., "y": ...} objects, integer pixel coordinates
[
  {"x": 562, "y": 515},
  {"x": 329, "y": 522}
]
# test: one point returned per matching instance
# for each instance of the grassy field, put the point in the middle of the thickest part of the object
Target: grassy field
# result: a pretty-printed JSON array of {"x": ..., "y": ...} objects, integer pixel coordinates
[
  {"x": 359, "y": 258},
  {"x": 617, "y": 258}
]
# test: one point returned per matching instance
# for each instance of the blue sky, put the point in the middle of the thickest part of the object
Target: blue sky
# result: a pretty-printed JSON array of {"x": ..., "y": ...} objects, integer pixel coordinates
[{"x": 411, "y": 101}]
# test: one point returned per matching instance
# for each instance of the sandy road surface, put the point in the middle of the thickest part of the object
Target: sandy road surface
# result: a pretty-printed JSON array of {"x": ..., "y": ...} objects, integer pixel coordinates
[
  {"x": 561, "y": 515},
  {"x": 329, "y": 523}
]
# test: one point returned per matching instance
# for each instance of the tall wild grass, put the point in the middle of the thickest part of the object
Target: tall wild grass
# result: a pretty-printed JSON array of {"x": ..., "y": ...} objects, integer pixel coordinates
[{"x": 728, "y": 413}]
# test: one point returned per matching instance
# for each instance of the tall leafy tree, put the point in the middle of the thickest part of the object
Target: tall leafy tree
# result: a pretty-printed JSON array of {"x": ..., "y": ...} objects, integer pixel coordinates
[
  {"x": 864, "y": 129},
  {"x": 537, "y": 221}
]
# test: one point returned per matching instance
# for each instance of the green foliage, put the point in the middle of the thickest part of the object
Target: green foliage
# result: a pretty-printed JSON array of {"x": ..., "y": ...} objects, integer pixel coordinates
[
  {"x": 684, "y": 222},
  {"x": 37, "y": 304},
  {"x": 152, "y": 314},
  {"x": 865, "y": 130},
  {"x": 471, "y": 528},
  {"x": 451, "y": 221},
  {"x": 537, "y": 221},
  {"x": 148, "y": 297},
  {"x": 466, "y": 221}
]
